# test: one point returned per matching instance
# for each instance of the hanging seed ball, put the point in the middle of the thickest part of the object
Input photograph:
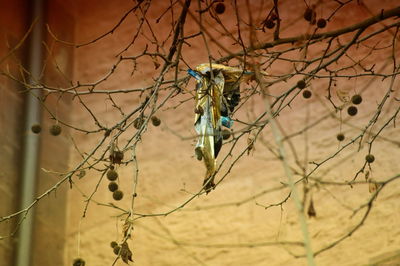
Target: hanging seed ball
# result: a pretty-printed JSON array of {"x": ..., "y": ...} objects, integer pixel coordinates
[
  {"x": 269, "y": 24},
  {"x": 220, "y": 8},
  {"x": 138, "y": 122},
  {"x": 116, "y": 250},
  {"x": 78, "y": 262},
  {"x": 81, "y": 174},
  {"x": 340, "y": 137},
  {"x": 274, "y": 16},
  {"x": 301, "y": 84},
  {"x": 112, "y": 186},
  {"x": 112, "y": 175},
  {"x": 356, "y": 99},
  {"x": 370, "y": 158},
  {"x": 55, "y": 130},
  {"x": 352, "y": 110},
  {"x": 118, "y": 195},
  {"x": 36, "y": 128},
  {"x": 226, "y": 134},
  {"x": 308, "y": 14},
  {"x": 321, "y": 23},
  {"x": 155, "y": 121},
  {"x": 113, "y": 244},
  {"x": 307, "y": 94},
  {"x": 118, "y": 156}
]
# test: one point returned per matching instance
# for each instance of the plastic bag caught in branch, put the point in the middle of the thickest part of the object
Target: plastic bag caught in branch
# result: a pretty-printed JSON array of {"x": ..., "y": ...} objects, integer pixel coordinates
[{"x": 217, "y": 94}]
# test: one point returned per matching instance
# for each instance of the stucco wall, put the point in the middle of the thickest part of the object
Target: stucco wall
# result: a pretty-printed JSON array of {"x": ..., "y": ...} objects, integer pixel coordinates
[{"x": 228, "y": 226}]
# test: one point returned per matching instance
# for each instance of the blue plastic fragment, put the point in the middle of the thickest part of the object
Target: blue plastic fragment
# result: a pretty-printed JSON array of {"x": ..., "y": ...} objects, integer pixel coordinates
[
  {"x": 226, "y": 121},
  {"x": 194, "y": 74}
]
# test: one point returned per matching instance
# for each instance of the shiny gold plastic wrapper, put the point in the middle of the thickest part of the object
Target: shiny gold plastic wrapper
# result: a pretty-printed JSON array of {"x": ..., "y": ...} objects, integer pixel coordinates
[{"x": 214, "y": 82}]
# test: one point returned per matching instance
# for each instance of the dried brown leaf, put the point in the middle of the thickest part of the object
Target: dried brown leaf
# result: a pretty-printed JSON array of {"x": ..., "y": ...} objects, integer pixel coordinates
[
  {"x": 311, "y": 210},
  {"x": 126, "y": 253}
]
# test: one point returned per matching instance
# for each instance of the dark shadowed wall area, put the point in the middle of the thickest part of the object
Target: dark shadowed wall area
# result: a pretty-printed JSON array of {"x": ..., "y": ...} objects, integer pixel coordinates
[{"x": 49, "y": 221}]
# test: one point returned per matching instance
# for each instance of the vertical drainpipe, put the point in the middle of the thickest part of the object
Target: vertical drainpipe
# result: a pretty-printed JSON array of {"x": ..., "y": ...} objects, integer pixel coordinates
[{"x": 31, "y": 141}]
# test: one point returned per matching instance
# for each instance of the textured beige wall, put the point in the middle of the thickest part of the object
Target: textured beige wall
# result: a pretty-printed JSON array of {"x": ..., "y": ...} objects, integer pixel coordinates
[{"x": 226, "y": 227}]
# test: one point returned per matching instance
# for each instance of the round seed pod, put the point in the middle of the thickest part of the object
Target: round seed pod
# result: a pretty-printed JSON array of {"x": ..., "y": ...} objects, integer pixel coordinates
[
  {"x": 116, "y": 250},
  {"x": 301, "y": 84},
  {"x": 226, "y": 134},
  {"x": 155, "y": 121},
  {"x": 138, "y": 122},
  {"x": 55, "y": 130},
  {"x": 356, "y": 99},
  {"x": 352, "y": 110},
  {"x": 78, "y": 262},
  {"x": 307, "y": 94},
  {"x": 118, "y": 156},
  {"x": 370, "y": 158},
  {"x": 269, "y": 24},
  {"x": 112, "y": 175},
  {"x": 113, "y": 244},
  {"x": 81, "y": 173},
  {"x": 118, "y": 195},
  {"x": 36, "y": 128},
  {"x": 321, "y": 23},
  {"x": 340, "y": 137},
  {"x": 308, "y": 14},
  {"x": 112, "y": 186},
  {"x": 219, "y": 8}
]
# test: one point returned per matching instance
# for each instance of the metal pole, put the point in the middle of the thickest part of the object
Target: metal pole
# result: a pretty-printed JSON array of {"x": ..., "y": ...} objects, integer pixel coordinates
[{"x": 31, "y": 141}]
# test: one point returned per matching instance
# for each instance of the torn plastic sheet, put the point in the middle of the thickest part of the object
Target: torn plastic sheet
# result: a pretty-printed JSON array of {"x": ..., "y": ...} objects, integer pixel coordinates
[{"x": 217, "y": 94}]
